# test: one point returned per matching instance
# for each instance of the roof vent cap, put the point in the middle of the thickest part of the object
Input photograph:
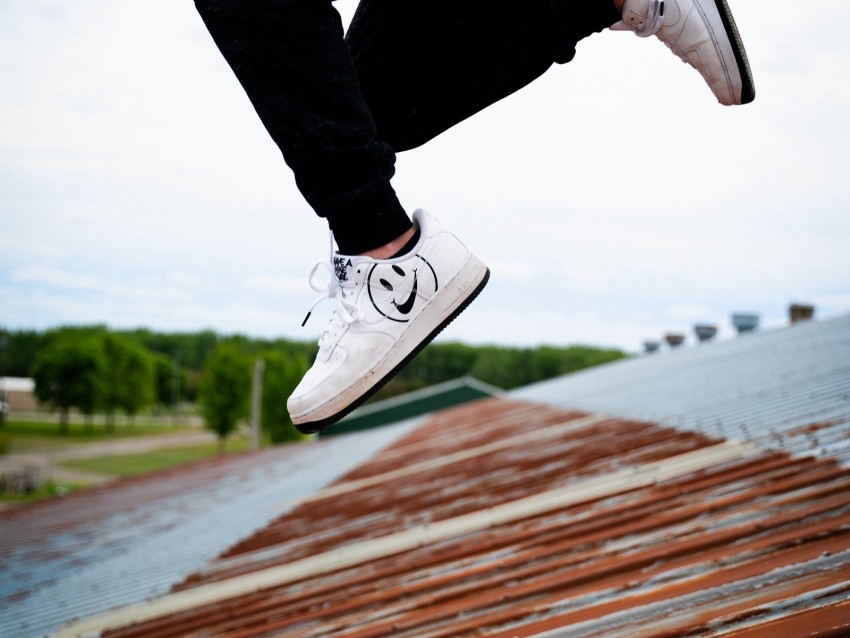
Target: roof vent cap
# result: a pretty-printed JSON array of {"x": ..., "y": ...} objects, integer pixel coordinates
[
  {"x": 674, "y": 339},
  {"x": 705, "y": 331},
  {"x": 798, "y": 312},
  {"x": 651, "y": 346},
  {"x": 745, "y": 322}
]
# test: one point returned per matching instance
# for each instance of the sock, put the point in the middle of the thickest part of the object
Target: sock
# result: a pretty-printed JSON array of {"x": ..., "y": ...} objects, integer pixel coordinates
[{"x": 410, "y": 245}]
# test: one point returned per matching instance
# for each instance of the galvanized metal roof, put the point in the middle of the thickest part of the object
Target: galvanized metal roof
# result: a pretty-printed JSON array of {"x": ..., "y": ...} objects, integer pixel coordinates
[
  {"x": 788, "y": 388},
  {"x": 512, "y": 517},
  {"x": 507, "y": 518}
]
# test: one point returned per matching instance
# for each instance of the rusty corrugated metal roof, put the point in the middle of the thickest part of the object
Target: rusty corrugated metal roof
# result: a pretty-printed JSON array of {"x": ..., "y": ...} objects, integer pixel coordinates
[
  {"x": 508, "y": 518},
  {"x": 132, "y": 540},
  {"x": 512, "y": 517}
]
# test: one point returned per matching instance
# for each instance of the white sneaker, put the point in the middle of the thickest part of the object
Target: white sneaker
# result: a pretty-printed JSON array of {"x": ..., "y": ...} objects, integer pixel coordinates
[
  {"x": 386, "y": 312},
  {"x": 703, "y": 34}
]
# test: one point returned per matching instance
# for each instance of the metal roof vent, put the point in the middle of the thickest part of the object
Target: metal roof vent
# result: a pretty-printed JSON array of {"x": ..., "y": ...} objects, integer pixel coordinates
[
  {"x": 705, "y": 331},
  {"x": 745, "y": 322},
  {"x": 801, "y": 312},
  {"x": 651, "y": 346},
  {"x": 674, "y": 339}
]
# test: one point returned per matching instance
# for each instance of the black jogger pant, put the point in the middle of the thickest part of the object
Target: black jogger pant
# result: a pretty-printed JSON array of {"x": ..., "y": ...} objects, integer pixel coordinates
[{"x": 340, "y": 107}]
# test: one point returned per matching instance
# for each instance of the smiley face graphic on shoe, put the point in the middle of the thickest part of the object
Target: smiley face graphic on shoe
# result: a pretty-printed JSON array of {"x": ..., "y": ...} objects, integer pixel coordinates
[
  {"x": 395, "y": 288},
  {"x": 407, "y": 306}
]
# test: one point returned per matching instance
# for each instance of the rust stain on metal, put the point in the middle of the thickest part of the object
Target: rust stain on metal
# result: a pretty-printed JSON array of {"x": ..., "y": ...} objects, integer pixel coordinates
[
  {"x": 747, "y": 547},
  {"x": 817, "y": 426}
]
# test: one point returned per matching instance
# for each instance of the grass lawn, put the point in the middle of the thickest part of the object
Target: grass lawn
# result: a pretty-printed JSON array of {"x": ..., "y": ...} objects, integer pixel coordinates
[
  {"x": 135, "y": 464},
  {"x": 48, "y": 489},
  {"x": 31, "y": 435}
]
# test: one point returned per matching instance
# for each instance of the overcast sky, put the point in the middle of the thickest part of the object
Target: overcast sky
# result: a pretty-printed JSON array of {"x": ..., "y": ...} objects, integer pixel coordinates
[{"x": 614, "y": 200}]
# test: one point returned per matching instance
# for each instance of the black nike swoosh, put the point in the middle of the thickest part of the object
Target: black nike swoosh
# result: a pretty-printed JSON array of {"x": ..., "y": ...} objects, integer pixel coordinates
[{"x": 407, "y": 306}]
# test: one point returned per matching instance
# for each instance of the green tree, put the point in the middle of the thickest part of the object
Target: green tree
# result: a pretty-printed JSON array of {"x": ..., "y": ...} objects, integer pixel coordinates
[
  {"x": 437, "y": 363},
  {"x": 580, "y": 357},
  {"x": 68, "y": 373},
  {"x": 169, "y": 380},
  {"x": 18, "y": 351},
  {"x": 128, "y": 382},
  {"x": 504, "y": 368},
  {"x": 280, "y": 376},
  {"x": 225, "y": 388},
  {"x": 139, "y": 388},
  {"x": 548, "y": 362}
]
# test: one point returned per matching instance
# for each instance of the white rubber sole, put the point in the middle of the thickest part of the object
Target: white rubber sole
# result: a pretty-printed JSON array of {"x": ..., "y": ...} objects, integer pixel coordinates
[{"x": 718, "y": 18}]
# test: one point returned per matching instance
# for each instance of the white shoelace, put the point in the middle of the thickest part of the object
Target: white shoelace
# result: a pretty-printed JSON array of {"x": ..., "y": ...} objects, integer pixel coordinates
[
  {"x": 654, "y": 20},
  {"x": 345, "y": 312}
]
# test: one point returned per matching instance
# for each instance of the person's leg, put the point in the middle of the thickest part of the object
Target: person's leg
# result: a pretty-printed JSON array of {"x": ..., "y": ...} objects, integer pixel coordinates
[
  {"x": 292, "y": 61},
  {"x": 425, "y": 65}
]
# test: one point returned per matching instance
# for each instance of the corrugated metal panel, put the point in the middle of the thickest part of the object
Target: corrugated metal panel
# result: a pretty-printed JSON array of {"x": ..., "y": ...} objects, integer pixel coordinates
[
  {"x": 515, "y": 518},
  {"x": 506, "y": 518},
  {"x": 788, "y": 388},
  {"x": 133, "y": 540}
]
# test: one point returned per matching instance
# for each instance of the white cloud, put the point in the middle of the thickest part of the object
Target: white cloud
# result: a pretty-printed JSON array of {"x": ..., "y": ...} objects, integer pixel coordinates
[
  {"x": 163, "y": 290},
  {"x": 513, "y": 270},
  {"x": 546, "y": 327},
  {"x": 589, "y": 277},
  {"x": 55, "y": 278},
  {"x": 834, "y": 303},
  {"x": 277, "y": 285},
  {"x": 690, "y": 312}
]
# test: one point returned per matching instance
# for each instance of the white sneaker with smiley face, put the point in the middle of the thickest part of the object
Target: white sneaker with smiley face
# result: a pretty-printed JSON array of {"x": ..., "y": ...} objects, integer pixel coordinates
[{"x": 386, "y": 312}]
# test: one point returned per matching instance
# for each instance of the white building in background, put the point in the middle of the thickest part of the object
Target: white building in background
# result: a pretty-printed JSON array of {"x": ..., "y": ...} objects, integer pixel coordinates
[{"x": 18, "y": 393}]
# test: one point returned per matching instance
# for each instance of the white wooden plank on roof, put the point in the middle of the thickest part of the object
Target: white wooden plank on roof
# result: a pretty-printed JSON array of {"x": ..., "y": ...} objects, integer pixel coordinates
[{"x": 580, "y": 491}]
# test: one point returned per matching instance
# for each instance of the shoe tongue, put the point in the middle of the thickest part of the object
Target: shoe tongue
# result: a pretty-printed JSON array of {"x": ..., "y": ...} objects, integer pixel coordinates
[{"x": 344, "y": 266}]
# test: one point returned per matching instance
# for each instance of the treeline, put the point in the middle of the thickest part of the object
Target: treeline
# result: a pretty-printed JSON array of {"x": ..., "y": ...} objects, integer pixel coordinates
[
  {"x": 97, "y": 370},
  {"x": 504, "y": 367},
  {"x": 94, "y": 370},
  {"x": 187, "y": 352}
]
